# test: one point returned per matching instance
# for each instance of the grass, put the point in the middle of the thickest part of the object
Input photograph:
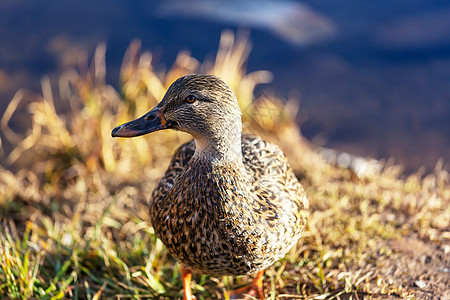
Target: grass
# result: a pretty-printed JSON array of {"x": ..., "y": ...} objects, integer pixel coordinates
[{"x": 73, "y": 200}]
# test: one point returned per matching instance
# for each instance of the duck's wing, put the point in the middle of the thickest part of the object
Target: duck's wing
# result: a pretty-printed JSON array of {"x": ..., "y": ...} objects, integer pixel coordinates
[
  {"x": 281, "y": 199},
  {"x": 179, "y": 161}
]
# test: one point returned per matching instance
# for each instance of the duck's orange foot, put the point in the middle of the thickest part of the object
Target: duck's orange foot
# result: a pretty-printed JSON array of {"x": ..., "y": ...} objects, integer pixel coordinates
[
  {"x": 247, "y": 292},
  {"x": 254, "y": 290},
  {"x": 186, "y": 274}
]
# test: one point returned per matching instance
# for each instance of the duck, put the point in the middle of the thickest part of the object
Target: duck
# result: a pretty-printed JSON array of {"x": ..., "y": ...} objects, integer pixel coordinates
[{"x": 229, "y": 204}]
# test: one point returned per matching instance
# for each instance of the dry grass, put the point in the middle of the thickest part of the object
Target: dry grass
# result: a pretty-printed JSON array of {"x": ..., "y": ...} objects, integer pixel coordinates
[{"x": 74, "y": 216}]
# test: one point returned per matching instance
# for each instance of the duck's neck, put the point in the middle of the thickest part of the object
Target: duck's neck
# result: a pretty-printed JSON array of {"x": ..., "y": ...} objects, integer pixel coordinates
[{"x": 221, "y": 148}]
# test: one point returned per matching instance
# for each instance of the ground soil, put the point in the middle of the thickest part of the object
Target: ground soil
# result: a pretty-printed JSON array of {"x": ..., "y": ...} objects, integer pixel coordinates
[{"x": 420, "y": 266}]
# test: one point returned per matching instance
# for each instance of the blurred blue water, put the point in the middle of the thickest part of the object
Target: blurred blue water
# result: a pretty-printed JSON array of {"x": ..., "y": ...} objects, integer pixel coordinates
[{"x": 373, "y": 77}]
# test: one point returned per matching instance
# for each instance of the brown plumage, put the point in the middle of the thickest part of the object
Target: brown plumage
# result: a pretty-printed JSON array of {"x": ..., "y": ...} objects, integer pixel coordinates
[{"x": 228, "y": 204}]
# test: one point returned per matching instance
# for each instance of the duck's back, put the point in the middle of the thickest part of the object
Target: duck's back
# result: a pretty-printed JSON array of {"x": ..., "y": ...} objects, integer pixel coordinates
[{"x": 276, "y": 212}]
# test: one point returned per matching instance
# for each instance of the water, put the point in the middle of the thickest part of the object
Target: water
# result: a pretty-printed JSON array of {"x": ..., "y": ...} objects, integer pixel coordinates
[{"x": 373, "y": 77}]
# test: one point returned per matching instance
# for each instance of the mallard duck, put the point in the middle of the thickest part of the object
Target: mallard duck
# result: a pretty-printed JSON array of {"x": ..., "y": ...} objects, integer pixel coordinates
[{"x": 229, "y": 203}]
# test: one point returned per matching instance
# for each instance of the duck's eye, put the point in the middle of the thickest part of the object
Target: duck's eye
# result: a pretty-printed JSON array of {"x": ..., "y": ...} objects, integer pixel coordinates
[{"x": 190, "y": 99}]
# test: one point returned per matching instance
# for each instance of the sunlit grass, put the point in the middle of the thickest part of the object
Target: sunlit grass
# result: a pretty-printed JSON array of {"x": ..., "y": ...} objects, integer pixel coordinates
[{"x": 73, "y": 200}]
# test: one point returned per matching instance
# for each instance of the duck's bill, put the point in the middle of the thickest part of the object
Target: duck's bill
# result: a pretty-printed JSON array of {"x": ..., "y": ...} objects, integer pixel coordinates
[{"x": 150, "y": 122}]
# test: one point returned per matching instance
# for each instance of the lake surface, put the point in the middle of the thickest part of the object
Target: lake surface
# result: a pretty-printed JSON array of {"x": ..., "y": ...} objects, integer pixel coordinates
[{"x": 372, "y": 77}]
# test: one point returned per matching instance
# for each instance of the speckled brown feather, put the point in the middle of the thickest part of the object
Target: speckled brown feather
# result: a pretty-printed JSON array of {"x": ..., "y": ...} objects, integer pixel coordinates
[{"x": 226, "y": 218}]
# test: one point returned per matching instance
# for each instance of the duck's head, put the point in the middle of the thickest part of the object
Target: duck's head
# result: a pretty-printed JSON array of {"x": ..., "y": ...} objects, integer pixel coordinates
[{"x": 201, "y": 105}]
